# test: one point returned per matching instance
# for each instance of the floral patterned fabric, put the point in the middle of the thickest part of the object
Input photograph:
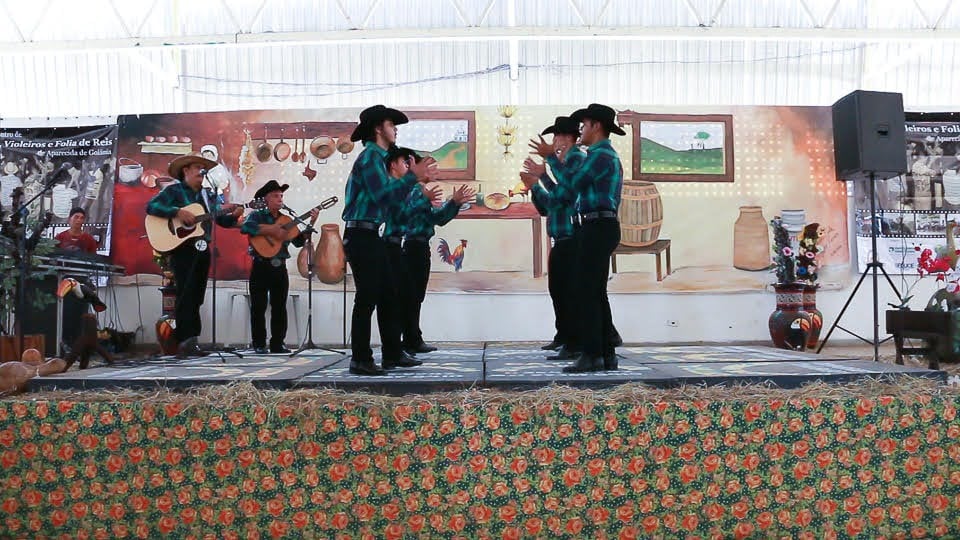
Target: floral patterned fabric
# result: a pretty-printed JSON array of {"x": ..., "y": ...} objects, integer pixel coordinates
[{"x": 795, "y": 469}]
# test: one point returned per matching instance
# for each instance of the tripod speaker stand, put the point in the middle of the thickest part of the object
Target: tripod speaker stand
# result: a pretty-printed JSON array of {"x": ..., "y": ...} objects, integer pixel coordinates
[{"x": 873, "y": 267}]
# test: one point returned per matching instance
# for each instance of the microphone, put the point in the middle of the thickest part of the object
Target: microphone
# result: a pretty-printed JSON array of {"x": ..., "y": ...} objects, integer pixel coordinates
[{"x": 203, "y": 173}]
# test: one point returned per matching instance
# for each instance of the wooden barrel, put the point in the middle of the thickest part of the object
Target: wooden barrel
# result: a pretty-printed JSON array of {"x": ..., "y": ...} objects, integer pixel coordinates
[{"x": 641, "y": 213}]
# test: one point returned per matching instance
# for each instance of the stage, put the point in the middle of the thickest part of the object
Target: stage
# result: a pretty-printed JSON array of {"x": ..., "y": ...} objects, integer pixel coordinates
[{"x": 508, "y": 366}]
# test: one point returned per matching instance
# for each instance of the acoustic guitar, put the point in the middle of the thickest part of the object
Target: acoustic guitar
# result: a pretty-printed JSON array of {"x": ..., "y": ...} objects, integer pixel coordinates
[
  {"x": 266, "y": 246},
  {"x": 166, "y": 234}
]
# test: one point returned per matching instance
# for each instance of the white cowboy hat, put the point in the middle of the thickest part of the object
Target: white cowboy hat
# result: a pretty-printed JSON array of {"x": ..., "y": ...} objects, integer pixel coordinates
[
  {"x": 10, "y": 168},
  {"x": 212, "y": 150}
]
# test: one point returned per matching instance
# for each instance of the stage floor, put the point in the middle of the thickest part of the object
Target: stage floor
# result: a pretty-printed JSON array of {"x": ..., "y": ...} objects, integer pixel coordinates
[{"x": 500, "y": 365}]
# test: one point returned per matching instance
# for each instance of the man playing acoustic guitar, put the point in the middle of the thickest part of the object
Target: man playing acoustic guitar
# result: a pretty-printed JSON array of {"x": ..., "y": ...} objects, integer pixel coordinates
[
  {"x": 268, "y": 275},
  {"x": 191, "y": 259}
]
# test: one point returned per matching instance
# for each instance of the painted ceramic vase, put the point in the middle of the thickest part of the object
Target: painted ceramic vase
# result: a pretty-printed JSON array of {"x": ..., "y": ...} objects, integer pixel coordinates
[
  {"x": 789, "y": 324},
  {"x": 816, "y": 317}
]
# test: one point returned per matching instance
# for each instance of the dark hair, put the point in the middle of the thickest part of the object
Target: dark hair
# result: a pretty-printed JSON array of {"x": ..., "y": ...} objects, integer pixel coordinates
[{"x": 78, "y": 210}]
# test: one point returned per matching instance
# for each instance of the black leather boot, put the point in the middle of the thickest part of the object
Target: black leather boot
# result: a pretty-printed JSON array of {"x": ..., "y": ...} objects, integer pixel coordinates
[
  {"x": 585, "y": 363},
  {"x": 403, "y": 360},
  {"x": 564, "y": 353},
  {"x": 421, "y": 348},
  {"x": 610, "y": 362},
  {"x": 365, "y": 367},
  {"x": 552, "y": 346}
]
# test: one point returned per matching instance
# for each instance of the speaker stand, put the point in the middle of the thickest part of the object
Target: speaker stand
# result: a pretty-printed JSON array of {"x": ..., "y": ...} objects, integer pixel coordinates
[{"x": 873, "y": 267}]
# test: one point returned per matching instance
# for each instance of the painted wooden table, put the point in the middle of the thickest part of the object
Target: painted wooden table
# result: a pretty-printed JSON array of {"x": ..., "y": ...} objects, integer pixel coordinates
[
  {"x": 653, "y": 249},
  {"x": 523, "y": 210}
]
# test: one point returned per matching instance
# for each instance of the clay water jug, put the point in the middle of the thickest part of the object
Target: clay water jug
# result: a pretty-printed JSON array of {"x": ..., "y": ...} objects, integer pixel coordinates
[{"x": 330, "y": 260}]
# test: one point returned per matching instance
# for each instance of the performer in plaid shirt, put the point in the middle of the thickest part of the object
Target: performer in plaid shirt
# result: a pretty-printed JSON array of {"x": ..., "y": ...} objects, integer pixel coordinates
[
  {"x": 370, "y": 196},
  {"x": 407, "y": 237},
  {"x": 597, "y": 185},
  {"x": 561, "y": 265},
  {"x": 191, "y": 260}
]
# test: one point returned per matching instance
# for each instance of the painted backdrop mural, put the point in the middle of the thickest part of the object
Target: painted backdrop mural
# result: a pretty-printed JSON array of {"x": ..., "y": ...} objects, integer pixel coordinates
[{"x": 709, "y": 167}]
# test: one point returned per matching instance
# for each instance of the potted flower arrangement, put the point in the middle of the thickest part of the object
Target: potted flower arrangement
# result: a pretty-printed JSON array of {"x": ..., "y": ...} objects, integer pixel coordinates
[{"x": 796, "y": 323}]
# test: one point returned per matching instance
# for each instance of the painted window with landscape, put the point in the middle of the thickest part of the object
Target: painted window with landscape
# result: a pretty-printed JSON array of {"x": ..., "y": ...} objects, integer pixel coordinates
[
  {"x": 447, "y": 136},
  {"x": 682, "y": 148}
]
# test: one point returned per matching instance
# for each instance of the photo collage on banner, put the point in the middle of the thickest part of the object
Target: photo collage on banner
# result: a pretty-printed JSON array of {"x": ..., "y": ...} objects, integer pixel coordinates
[
  {"x": 76, "y": 164},
  {"x": 914, "y": 210}
]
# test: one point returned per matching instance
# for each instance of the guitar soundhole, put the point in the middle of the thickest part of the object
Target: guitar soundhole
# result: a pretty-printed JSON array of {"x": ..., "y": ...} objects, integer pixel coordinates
[{"x": 183, "y": 232}]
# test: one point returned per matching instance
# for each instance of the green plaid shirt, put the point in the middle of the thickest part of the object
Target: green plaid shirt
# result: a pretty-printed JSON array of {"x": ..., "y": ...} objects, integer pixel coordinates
[
  {"x": 423, "y": 217},
  {"x": 168, "y": 202},
  {"x": 418, "y": 216},
  {"x": 371, "y": 194},
  {"x": 559, "y": 213},
  {"x": 597, "y": 183},
  {"x": 251, "y": 227}
]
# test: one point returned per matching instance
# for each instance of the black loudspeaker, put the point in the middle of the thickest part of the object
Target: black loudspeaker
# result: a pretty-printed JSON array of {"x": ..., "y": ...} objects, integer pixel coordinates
[{"x": 869, "y": 136}]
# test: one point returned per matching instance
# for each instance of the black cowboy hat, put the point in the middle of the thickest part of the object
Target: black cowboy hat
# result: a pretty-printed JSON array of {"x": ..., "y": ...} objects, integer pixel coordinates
[
  {"x": 563, "y": 125},
  {"x": 600, "y": 113},
  {"x": 372, "y": 116},
  {"x": 176, "y": 166},
  {"x": 268, "y": 188}
]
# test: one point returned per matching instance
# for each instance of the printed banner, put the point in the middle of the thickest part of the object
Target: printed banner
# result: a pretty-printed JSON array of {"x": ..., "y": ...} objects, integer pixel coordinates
[
  {"x": 913, "y": 209},
  {"x": 77, "y": 164}
]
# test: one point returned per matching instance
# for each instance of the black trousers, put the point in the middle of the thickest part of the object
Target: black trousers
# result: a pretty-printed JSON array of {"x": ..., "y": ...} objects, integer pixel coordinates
[
  {"x": 376, "y": 289},
  {"x": 401, "y": 285},
  {"x": 416, "y": 257},
  {"x": 598, "y": 239},
  {"x": 271, "y": 284},
  {"x": 561, "y": 282},
  {"x": 190, "y": 271}
]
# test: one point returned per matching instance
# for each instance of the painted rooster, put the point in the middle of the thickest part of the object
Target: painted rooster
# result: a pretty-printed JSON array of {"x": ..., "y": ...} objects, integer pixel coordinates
[{"x": 454, "y": 258}]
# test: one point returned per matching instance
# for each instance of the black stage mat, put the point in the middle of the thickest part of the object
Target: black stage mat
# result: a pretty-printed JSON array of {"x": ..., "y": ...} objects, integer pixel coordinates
[
  {"x": 718, "y": 353},
  {"x": 441, "y": 370},
  {"x": 533, "y": 370},
  {"x": 512, "y": 365},
  {"x": 788, "y": 374},
  {"x": 187, "y": 373}
]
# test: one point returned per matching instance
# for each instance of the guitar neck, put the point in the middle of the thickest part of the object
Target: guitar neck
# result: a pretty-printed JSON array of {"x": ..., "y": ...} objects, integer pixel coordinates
[{"x": 322, "y": 206}]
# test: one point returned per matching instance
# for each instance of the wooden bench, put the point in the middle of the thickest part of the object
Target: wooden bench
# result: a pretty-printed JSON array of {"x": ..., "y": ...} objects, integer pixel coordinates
[
  {"x": 936, "y": 327},
  {"x": 655, "y": 248}
]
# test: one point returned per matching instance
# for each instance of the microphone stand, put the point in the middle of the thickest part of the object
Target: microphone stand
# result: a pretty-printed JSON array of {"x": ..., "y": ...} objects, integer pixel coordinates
[
  {"x": 307, "y": 343},
  {"x": 216, "y": 348},
  {"x": 21, "y": 214}
]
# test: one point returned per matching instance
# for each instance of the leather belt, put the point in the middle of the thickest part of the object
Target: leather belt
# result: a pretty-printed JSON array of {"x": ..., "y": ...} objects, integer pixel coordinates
[
  {"x": 393, "y": 239},
  {"x": 423, "y": 239},
  {"x": 562, "y": 239},
  {"x": 590, "y": 216},
  {"x": 368, "y": 225}
]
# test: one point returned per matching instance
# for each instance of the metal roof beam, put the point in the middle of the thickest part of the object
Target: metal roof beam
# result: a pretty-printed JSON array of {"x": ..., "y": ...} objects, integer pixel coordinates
[{"x": 473, "y": 33}]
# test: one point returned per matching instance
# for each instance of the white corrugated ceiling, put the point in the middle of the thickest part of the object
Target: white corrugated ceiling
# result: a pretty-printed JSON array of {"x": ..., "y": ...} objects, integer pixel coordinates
[{"x": 62, "y": 58}]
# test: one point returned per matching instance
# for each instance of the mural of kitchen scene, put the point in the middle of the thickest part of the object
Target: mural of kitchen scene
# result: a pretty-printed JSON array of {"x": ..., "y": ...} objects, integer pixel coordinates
[
  {"x": 701, "y": 186},
  {"x": 77, "y": 165}
]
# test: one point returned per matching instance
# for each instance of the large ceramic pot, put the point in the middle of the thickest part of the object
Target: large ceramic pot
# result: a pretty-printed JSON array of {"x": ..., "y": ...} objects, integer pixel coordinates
[
  {"x": 790, "y": 324},
  {"x": 751, "y": 240},
  {"x": 330, "y": 259},
  {"x": 816, "y": 317}
]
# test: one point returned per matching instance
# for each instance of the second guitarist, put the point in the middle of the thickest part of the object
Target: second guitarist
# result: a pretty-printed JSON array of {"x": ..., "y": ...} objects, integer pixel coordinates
[
  {"x": 269, "y": 281},
  {"x": 191, "y": 259}
]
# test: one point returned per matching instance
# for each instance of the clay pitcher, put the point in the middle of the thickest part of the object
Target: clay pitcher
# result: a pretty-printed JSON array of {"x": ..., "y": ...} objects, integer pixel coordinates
[
  {"x": 330, "y": 259},
  {"x": 302, "y": 262}
]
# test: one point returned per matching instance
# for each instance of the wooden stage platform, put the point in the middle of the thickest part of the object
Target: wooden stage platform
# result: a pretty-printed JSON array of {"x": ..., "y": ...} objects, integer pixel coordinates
[{"x": 500, "y": 365}]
